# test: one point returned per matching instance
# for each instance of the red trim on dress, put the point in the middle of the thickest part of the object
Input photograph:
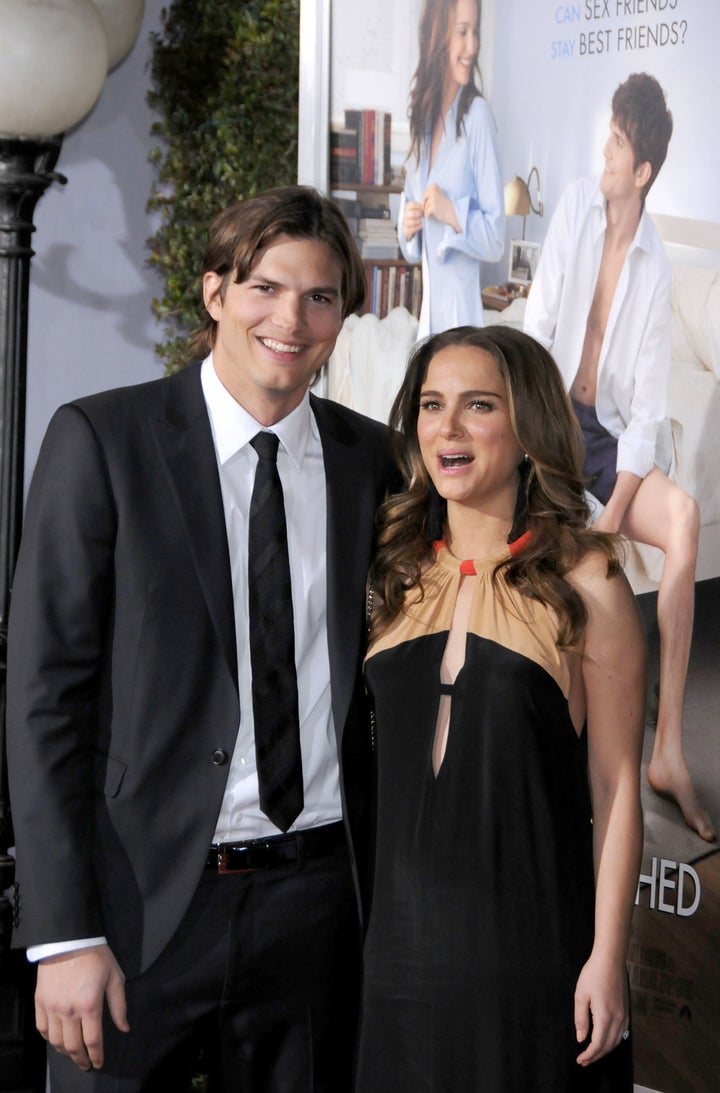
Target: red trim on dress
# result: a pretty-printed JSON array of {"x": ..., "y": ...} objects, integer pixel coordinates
[
  {"x": 518, "y": 545},
  {"x": 467, "y": 567}
]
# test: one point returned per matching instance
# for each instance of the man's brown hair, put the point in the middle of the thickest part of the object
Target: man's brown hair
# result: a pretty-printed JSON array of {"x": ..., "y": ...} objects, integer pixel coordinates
[
  {"x": 240, "y": 233},
  {"x": 640, "y": 111}
]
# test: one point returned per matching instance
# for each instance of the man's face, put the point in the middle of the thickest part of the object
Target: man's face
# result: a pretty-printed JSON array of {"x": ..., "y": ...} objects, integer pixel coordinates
[
  {"x": 277, "y": 328},
  {"x": 621, "y": 179}
]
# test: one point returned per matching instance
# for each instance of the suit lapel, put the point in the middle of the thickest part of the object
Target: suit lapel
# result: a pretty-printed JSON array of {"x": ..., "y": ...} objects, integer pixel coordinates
[
  {"x": 350, "y": 510},
  {"x": 185, "y": 443},
  {"x": 187, "y": 452}
]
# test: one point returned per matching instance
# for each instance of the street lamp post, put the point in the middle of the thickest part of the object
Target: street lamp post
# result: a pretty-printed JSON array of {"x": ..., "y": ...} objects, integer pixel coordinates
[
  {"x": 26, "y": 170},
  {"x": 56, "y": 56}
]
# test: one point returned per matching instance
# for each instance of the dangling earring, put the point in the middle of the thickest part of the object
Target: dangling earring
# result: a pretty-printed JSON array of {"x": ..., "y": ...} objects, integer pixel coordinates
[
  {"x": 436, "y": 514},
  {"x": 521, "y": 501}
]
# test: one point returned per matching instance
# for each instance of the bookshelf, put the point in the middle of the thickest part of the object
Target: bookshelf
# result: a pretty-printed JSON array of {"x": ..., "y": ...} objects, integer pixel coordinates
[
  {"x": 362, "y": 184},
  {"x": 391, "y": 280}
]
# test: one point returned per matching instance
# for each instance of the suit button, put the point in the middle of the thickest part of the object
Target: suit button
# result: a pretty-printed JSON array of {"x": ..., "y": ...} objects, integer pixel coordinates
[{"x": 219, "y": 757}]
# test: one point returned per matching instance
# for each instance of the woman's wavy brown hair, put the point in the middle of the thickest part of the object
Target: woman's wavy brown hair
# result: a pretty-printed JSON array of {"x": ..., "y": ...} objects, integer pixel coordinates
[
  {"x": 551, "y": 501},
  {"x": 426, "y": 88}
]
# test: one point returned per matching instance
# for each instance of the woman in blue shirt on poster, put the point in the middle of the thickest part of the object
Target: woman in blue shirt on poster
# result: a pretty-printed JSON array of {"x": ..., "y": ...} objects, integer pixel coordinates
[{"x": 452, "y": 212}]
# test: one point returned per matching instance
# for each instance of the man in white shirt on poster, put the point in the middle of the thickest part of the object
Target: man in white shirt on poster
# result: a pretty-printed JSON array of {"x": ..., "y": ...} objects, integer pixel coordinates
[{"x": 600, "y": 302}]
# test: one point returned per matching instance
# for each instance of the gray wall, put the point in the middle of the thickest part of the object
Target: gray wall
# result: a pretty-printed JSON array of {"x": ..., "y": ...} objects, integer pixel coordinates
[{"x": 91, "y": 326}]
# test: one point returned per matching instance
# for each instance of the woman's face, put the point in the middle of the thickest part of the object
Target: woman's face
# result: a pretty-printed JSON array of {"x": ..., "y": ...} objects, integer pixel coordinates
[
  {"x": 463, "y": 44},
  {"x": 466, "y": 440}
]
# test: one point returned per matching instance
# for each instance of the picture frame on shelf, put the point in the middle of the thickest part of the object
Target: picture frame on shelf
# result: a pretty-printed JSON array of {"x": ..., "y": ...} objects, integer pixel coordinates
[{"x": 523, "y": 261}]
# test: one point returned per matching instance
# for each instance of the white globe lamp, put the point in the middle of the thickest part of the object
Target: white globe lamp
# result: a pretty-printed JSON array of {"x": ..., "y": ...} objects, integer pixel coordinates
[
  {"x": 54, "y": 62},
  {"x": 122, "y": 20}
]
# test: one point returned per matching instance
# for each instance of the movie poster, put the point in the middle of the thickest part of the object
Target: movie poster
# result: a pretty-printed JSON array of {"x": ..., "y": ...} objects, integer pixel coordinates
[{"x": 549, "y": 71}]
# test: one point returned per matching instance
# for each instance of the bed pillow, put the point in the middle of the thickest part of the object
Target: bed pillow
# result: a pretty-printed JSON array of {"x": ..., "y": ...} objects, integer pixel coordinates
[{"x": 696, "y": 315}]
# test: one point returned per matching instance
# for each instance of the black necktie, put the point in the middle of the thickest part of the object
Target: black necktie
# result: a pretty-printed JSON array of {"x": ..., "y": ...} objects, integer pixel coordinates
[{"x": 272, "y": 644}]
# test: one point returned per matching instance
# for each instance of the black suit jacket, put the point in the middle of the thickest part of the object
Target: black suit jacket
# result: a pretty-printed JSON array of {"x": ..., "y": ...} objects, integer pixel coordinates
[{"x": 122, "y": 676}]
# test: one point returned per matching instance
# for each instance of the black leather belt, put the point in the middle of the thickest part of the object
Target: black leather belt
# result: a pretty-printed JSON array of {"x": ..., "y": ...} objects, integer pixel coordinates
[{"x": 275, "y": 850}]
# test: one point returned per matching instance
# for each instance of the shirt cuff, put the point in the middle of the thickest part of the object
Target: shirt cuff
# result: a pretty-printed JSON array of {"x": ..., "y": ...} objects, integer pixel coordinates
[
  {"x": 56, "y": 948},
  {"x": 448, "y": 240},
  {"x": 635, "y": 456}
]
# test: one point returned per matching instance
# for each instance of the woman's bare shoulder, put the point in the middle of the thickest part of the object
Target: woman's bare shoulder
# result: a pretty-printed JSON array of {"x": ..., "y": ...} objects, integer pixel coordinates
[
  {"x": 607, "y": 595},
  {"x": 593, "y": 573}
]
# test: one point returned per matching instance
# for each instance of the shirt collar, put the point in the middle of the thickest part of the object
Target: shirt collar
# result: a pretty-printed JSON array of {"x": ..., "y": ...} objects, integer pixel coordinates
[
  {"x": 454, "y": 106},
  {"x": 599, "y": 213},
  {"x": 233, "y": 427},
  {"x": 643, "y": 236},
  {"x": 449, "y": 117}
]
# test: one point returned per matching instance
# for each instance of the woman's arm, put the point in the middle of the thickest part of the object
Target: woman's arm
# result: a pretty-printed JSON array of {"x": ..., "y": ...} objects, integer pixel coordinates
[
  {"x": 613, "y": 675},
  {"x": 409, "y": 226},
  {"x": 468, "y": 199}
]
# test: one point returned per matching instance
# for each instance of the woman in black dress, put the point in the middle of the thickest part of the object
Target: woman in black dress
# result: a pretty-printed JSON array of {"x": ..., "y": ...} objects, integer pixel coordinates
[{"x": 506, "y": 668}]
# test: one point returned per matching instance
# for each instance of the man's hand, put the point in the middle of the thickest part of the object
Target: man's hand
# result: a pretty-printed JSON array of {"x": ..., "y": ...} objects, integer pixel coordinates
[
  {"x": 612, "y": 516},
  {"x": 606, "y": 521},
  {"x": 71, "y": 989}
]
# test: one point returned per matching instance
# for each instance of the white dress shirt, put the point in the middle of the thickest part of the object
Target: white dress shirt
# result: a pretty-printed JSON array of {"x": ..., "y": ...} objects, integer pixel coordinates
[
  {"x": 302, "y": 473},
  {"x": 634, "y": 362}
]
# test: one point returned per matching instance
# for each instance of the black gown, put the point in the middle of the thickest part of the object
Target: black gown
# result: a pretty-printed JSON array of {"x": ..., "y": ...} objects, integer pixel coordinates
[{"x": 483, "y": 902}]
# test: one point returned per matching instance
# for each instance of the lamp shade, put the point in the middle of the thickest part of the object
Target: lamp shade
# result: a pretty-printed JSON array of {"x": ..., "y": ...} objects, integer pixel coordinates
[
  {"x": 53, "y": 64},
  {"x": 517, "y": 198},
  {"x": 122, "y": 20}
]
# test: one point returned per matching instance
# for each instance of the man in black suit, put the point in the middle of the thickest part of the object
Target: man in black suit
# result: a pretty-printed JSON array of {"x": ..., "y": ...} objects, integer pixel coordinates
[{"x": 158, "y": 898}]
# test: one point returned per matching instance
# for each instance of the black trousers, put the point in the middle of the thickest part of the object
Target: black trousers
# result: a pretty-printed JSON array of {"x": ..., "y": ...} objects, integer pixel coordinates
[{"x": 262, "y": 978}]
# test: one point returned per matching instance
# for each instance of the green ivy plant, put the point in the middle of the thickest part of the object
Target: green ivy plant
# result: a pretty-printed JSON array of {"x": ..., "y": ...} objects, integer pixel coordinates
[{"x": 224, "y": 82}]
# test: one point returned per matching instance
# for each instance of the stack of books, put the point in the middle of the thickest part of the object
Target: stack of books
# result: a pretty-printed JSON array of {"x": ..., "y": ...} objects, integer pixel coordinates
[
  {"x": 351, "y": 209},
  {"x": 395, "y": 286},
  {"x": 370, "y": 222},
  {"x": 343, "y": 157},
  {"x": 377, "y": 237},
  {"x": 360, "y": 150}
]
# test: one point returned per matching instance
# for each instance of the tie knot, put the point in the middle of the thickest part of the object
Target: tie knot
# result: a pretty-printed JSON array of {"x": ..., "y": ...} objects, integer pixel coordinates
[{"x": 266, "y": 445}]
